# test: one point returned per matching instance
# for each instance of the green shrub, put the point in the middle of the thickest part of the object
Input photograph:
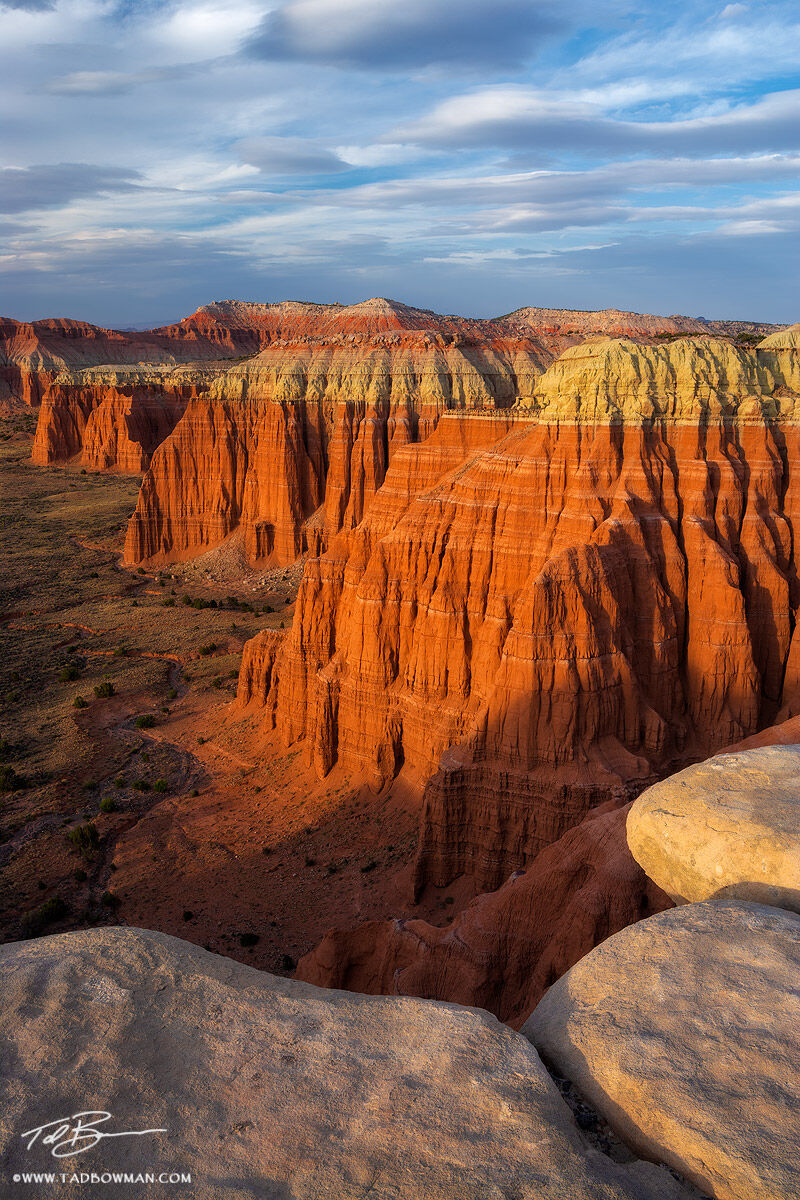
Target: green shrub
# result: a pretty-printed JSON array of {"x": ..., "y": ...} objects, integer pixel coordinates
[
  {"x": 145, "y": 721},
  {"x": 217, "y": 681},
  {"x": 119, "y": 782},
  {"x": 161, "y": 785},
  {"x": 79, "y": 702},
  {"x": 186, "y": 599},
  {"x": 120, "y": 651},
  {"x": 35, "y": 921},
  {"x": 85, "y": 839},
  {"x": 10, "y": 781},
  {"x": 104, "y": 689},
  {"x": 80, "y": 875},
  {"x": 167, "y": 603},
  {"x": 69, "y": 673},
  {"x": 140, "y": 571},
  {"x": 209, "y": 649},
  {"x": 288, "y": 963},
  {"x": 172, "y": 693},
  {"x": 108, "y": 804},
  {"x": 142, "y": 785}
]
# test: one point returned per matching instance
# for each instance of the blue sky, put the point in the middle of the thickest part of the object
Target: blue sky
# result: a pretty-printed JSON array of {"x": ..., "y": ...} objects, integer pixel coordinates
[{"x": 461, "y": 155}]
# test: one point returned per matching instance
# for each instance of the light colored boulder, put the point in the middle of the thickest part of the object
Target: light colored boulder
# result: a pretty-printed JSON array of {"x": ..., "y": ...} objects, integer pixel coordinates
[
  {"x": 684, "y": 1032},
  {"x": 729, "y": 826},
  {"x": 269, "y": 1089}
]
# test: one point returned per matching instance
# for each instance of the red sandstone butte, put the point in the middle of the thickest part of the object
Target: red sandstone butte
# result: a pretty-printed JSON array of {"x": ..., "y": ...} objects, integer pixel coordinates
[{"x": 545, "y": 608}]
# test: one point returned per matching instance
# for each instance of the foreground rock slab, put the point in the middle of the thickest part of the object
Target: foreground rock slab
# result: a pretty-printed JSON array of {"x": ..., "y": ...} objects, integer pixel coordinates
[
  {"x": 684, "y": 1032},
  {"x": 271, "y": 1088},
  {"x": 728, "y": 826}
]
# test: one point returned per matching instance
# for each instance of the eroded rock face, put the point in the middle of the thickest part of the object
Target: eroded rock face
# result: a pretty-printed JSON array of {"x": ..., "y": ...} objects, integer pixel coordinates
[
  {"x": 539, "y": 613},
  {"x": 273, "y": 1088},
  {"x": 504, "y": 950},
  {"x": 34, "y": 354},
  {"x": 729, "y": 826},
  {"x": 307, "y": 423},
  {"x": 111, "y": 418},
  {"x": 683, "y": 1031}
]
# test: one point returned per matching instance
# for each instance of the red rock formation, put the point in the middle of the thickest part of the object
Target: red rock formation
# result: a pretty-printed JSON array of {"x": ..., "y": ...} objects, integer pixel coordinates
[
  {"x": 506, "y": 948},
  {"x": 381, "y": 370},
  {"x": 258, "y": 677},
  {"x": 307, "y": 422},
  {"x": 111, "y": 418},
  {"x": 33, "y": 354},
  {"x": 538, "y": 613},
  {"x": 614, "y": 323}
]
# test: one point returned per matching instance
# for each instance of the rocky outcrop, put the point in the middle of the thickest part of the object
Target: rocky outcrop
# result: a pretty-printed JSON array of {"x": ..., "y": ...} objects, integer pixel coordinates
[
  {"x": 504, "y": 950},
  {"x": 304, "y": 424},
  {"x": 230, "y": 465},
  {"x": 617, "y": 323},
  {"x": 256, "y": 1085},
  {"x": 729, "y": 826},
  {"x": 538, "y": 613},
  {"x": 111, "y": 418},
  {"x": 34, "y": 354},
  {"x": 683, "y": 1031},
  {"x": 258, "y": 678}
]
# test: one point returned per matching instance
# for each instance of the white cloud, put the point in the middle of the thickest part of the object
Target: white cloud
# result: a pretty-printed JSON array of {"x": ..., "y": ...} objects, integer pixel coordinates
[{"x": 206, "y": 29}]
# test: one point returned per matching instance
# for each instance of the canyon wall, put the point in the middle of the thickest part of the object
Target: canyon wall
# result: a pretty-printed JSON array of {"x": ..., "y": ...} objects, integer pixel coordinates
[
  {"x": 542, "y": 610},
  {"x": 112, "y": 418},
  {"x": 310, "y": 427},
  {"x": 362, "y": 379},
  {"x": 507, "y": 947}
]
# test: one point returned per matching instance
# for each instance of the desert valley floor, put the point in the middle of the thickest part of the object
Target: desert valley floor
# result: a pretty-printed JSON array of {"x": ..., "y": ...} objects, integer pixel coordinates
[{"x": 215, "y": 833}]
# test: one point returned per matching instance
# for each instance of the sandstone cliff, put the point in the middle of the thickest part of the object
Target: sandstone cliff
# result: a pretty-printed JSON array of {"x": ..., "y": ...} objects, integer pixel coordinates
[
  {"x": 508, "y": 946},
  {"x": 541, "y": 612},
  {"x": 112, "y": 418},
  {"x": 308, "y": 422}
]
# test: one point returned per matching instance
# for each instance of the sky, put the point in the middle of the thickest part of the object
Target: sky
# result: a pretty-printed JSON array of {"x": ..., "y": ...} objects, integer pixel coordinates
[{"x": 470, "y": 156}]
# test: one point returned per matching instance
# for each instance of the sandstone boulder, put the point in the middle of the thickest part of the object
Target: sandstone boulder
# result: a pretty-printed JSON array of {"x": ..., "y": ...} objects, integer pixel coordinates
[
  {"x": 684, "y": 1032},
  {"x": 730, "y": 825},
  {"x": 270, "y": 1088}
]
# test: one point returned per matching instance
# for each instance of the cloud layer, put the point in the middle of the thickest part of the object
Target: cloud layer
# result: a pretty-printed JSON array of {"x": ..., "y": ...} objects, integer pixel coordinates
[{"x": 158, "y": 154}]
